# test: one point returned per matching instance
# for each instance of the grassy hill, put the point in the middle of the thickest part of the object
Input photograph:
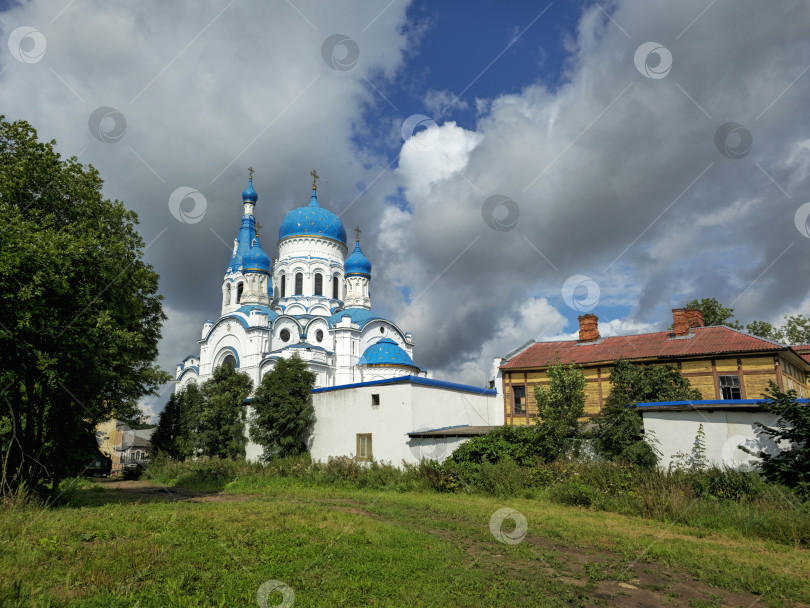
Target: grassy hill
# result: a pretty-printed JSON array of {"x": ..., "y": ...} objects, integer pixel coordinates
[{"x": 142, "y": 544}]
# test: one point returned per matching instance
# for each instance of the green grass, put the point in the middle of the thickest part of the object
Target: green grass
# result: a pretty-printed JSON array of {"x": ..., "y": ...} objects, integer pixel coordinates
[{"x": 341, "y": 546}]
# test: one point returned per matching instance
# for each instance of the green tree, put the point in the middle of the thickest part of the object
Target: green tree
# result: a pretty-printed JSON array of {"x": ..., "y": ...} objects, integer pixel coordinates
[
  {"x": 282, "y": 411},
  {"x": 796, "y": 330},
  {"x": 177, "y": 423},
  {"x": 559, "y": 408},
  {"x": 791, "y": 465},
  {"x": 166, "y": 438},
  {"x": 219, "y": 417},
  {"x": 619, "y": 427},
  {"x": 762, "y": 329},
  {"x": 714, "y": 313},
  {"x": 80, "y": 316}
]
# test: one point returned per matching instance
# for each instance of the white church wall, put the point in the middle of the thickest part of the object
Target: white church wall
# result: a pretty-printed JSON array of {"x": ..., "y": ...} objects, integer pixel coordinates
[
  {"x": 676, "y": 430},
  {"x": 403, "y": 407},
  {"x": 343, "y": 414},
  {"x": 438, "y": 408}
]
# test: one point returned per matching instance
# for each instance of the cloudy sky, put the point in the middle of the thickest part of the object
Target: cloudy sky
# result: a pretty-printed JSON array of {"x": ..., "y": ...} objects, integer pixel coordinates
[{"x": 511, "y": 167}]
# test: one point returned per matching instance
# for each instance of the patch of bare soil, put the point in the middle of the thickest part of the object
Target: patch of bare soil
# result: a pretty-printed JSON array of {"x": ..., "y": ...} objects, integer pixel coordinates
[{"x": 133, "y": 490}]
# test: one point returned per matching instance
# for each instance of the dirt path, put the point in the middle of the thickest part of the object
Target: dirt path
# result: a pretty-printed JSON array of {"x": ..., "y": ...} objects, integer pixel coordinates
[{"x": 133, "y": 491}]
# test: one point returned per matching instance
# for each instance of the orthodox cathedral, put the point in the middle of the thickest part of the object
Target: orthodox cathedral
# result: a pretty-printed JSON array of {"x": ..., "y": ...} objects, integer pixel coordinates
[{"x": 314, "y": 300}]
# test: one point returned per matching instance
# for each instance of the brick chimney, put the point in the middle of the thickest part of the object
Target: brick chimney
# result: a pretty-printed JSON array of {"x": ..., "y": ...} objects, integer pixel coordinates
[
  {"x": 680, "y": 324},
  {"x": 695, "y": 317},
  {"x": 588, "y": 327}
]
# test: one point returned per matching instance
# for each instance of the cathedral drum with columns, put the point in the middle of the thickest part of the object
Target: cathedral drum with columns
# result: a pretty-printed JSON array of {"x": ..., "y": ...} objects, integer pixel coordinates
[{"x": 313, "y": 300}]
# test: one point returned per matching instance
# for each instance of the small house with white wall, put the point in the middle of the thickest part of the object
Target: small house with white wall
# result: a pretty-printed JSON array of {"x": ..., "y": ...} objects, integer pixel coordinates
[{"x": 727, "y": 424}]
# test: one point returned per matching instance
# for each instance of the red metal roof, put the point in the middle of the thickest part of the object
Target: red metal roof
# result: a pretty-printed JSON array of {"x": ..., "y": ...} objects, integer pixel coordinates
[
  {"x": 712, "y": 340},
  {"x": 803, "y": 350}
]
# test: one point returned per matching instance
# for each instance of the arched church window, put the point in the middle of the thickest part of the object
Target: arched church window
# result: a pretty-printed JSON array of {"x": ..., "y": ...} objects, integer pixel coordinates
[
  {"x": 319, "y": 335},
  {"x": 318, "y": 284},
  {"x": 299, "y": 284},
  {"x": 334, "y": 288},
  {"x": 230, "y": 361},
  {"x": 239, "y": 292},
  {"x": 285, "y": 335},
  {"x": 283, "y": 286}
]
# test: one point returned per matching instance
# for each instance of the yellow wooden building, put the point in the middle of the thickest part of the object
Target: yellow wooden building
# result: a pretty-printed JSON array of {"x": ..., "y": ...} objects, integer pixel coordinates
[{"x": 722, "y": 363}]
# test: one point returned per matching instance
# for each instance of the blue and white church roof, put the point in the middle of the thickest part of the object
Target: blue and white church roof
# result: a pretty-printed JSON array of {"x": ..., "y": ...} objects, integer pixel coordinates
[
  {"x": 357, "y": 262},
  {"x": 312, "y": 220},
  {"x": 312, "y": 300}
]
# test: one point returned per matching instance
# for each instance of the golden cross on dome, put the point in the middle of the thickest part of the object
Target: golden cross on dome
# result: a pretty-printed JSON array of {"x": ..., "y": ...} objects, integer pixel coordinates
[
  {"x": 250, "y": 172},
  {"x": 357, "y": 231},
  {"x": 315, "y": 177}
]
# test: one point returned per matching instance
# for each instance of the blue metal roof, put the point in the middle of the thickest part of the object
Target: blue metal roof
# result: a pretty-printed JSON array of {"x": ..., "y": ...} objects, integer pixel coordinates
[
  {"x": 357, "y": 263},
  {"x": 361, "y": 316},
  {"x": 312, "y": 220},
  {"x": 709, "y": 402},
  {"x": 246, "y": 235},
  {"x": 249, "y": 194},
  {"x": 386, "y": 352},
  {"x": 464, "y": 388},
  {"x": 193, "y": 368},
  {"x": 245, "y": 310},
  {"x": 256, "y": 259},
  {"x": 305, "y": 345}
]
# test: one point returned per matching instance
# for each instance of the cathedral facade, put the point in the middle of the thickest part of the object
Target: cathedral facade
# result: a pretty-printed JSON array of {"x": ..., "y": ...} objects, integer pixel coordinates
[{"x": 313, "y": 300}]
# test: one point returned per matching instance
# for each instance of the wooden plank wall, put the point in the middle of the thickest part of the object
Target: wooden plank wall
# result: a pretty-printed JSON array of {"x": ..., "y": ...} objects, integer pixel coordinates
[{"x": 754, "y": 372}]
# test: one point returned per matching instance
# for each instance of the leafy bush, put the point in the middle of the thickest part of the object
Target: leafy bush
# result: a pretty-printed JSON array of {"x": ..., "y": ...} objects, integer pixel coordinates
[
  {"x": 726, "y": 484},
  {"x": 205, "y": 474},
  {"x": 518, "y": 443},
  {"x": 573, "y": 493},
  {"x": 505, "y": 478}
]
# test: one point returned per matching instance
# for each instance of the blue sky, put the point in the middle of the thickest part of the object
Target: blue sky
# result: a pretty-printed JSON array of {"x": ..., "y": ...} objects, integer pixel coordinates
[{"x": 474, "y": 52}]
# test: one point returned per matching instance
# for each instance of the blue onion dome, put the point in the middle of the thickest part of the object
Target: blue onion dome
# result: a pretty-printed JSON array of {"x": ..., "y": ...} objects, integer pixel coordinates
[
  {"x": 312, "y": 220},
  {"x": 249, "y": 194},
  {"x": 357, "y": 263},
  {"x": 386, "y": 352},
  {"x": 256, "y": 259}
]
